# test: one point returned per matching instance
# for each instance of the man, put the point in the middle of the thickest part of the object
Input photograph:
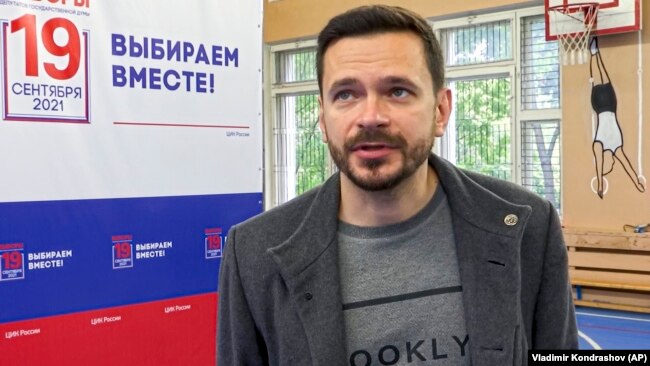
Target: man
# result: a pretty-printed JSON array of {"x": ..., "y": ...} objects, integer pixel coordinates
[{"x": 401, "y": 258}]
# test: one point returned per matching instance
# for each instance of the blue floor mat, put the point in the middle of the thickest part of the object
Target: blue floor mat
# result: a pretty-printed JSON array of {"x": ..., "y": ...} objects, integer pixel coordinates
[{"x": 610, "y": 329}]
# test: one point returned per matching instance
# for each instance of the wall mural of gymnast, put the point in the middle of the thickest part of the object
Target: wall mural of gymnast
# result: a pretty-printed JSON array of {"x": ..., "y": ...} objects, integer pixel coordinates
[{"x": 608, "y": 139}]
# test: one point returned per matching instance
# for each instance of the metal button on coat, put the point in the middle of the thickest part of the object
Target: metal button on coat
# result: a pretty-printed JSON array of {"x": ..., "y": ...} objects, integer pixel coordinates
[
  {"x": 511, "y": 220},
  {"x": 308, "y": 296}
]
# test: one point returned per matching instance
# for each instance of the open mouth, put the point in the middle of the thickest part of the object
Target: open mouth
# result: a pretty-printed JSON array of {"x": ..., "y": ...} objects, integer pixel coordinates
[
  {"x": 372, "y": 150},
  {"x": 371, "y": 146}
]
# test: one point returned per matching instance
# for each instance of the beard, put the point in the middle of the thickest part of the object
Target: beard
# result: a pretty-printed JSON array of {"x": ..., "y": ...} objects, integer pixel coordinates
[{"x": 412, "y": 157}]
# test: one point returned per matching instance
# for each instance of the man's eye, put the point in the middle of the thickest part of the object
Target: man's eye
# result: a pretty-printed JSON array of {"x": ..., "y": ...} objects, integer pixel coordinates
[
  {"x": 344, "y": 95},
  {"x": 400, "y": 93}
]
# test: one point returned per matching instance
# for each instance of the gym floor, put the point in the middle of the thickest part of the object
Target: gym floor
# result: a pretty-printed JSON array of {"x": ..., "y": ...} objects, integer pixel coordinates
[{"x": 610, "y": 329}]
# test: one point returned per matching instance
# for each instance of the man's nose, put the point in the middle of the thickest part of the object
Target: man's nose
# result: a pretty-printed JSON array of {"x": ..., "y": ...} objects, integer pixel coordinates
[{"x": 374, "y": 113}]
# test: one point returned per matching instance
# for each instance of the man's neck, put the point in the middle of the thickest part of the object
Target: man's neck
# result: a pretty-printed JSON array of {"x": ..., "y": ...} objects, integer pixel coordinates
[{"x": 379, "y": 208}]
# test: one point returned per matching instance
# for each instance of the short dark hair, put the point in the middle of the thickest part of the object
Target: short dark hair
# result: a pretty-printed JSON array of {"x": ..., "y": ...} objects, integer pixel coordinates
[{"x": 375, "y": 19}]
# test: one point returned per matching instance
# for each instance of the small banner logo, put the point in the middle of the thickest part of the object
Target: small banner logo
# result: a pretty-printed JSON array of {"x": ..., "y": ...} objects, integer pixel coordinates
[
  {"x": 213, "y": 243},
  {"x": 12, "y": 261},
  {"x": 122, "y": 251}
]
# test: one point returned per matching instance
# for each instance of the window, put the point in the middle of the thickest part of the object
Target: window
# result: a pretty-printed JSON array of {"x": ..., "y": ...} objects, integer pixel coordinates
[
  {"x": 296, "y": 65},
  {"x": 300, "y": 158},
  {"x": 540, "y": 158},
  {"x": 477, "y": 44},
  {"x": 540, "y": 91},
  {"x": 506, "y": 117},
  {"x": 481, "y": 122},
  {"x": 540, "y": 68}
]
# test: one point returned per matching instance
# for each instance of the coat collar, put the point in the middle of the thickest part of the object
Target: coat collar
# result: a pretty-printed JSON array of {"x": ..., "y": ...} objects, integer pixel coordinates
[{"x": 488, "y": 257}]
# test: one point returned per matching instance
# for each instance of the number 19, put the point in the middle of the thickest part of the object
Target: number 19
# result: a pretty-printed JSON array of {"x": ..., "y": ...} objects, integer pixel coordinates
[
  {"x": 72, "y": 49},
  {"x": 122, "y": 250},
  {"x": 12, "y": 260}
]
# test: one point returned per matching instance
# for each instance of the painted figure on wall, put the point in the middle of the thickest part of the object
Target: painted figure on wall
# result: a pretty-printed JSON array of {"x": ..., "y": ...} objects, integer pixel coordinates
[{"x": 608, "y": 139}]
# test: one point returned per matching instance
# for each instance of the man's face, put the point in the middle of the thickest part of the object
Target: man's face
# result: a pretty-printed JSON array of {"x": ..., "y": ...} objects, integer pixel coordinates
[{"x": 378, "y": 111}]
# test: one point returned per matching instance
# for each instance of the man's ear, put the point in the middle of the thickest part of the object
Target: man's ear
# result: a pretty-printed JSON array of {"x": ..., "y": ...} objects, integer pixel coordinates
[
  {"x": 443, "y": 111},
  {"x": 321, "y": 121}
]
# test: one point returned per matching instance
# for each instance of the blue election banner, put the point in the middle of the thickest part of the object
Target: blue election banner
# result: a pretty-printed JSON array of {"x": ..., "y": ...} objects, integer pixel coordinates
[{"x": 75, "y": 255}]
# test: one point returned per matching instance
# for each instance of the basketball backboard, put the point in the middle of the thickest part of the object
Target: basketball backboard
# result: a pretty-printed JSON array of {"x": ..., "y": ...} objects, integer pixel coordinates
[{"x": 614, "y": 16}]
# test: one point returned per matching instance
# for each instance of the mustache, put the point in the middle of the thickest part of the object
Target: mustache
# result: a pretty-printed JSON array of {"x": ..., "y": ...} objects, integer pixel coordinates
[{"x": 376, "y": 136}]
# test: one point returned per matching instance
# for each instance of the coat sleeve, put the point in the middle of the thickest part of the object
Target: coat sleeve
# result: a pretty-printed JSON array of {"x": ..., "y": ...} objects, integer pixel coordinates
[
  {"x": 238, "y": 341},
  {"x": 555, "y": 322}
]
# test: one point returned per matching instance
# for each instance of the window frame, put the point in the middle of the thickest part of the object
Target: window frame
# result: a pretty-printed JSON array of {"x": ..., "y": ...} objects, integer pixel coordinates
[
  {"x": 447, "y": 146},
  {"x": 273, "y": 94},
  {"x": 519, "y": 114}
]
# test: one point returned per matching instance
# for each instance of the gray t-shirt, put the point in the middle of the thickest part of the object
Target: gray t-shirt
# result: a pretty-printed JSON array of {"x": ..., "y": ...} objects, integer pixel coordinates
[{"x": 402, "y": 296}]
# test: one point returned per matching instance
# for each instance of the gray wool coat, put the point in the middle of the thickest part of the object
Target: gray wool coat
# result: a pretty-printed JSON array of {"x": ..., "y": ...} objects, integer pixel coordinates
[{"x": 280, "y": 298}]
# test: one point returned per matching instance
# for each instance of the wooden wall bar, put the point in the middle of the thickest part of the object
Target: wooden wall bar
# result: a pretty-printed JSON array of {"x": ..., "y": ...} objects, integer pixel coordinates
[{"x": 610, "y": 270}]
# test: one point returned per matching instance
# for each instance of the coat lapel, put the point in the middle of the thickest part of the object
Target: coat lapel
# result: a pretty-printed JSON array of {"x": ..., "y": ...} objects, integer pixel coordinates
[
  {"x": 488, "y": 233},
  {"x": 308, "y": 263}
]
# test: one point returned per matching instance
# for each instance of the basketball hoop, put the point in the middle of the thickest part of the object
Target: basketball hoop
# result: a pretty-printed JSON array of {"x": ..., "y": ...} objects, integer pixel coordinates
[{"x": 574, "y": 23}]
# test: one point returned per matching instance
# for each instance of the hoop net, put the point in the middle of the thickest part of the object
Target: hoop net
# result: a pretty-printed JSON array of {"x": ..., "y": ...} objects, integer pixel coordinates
[{"x": 573, "y": 25}]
